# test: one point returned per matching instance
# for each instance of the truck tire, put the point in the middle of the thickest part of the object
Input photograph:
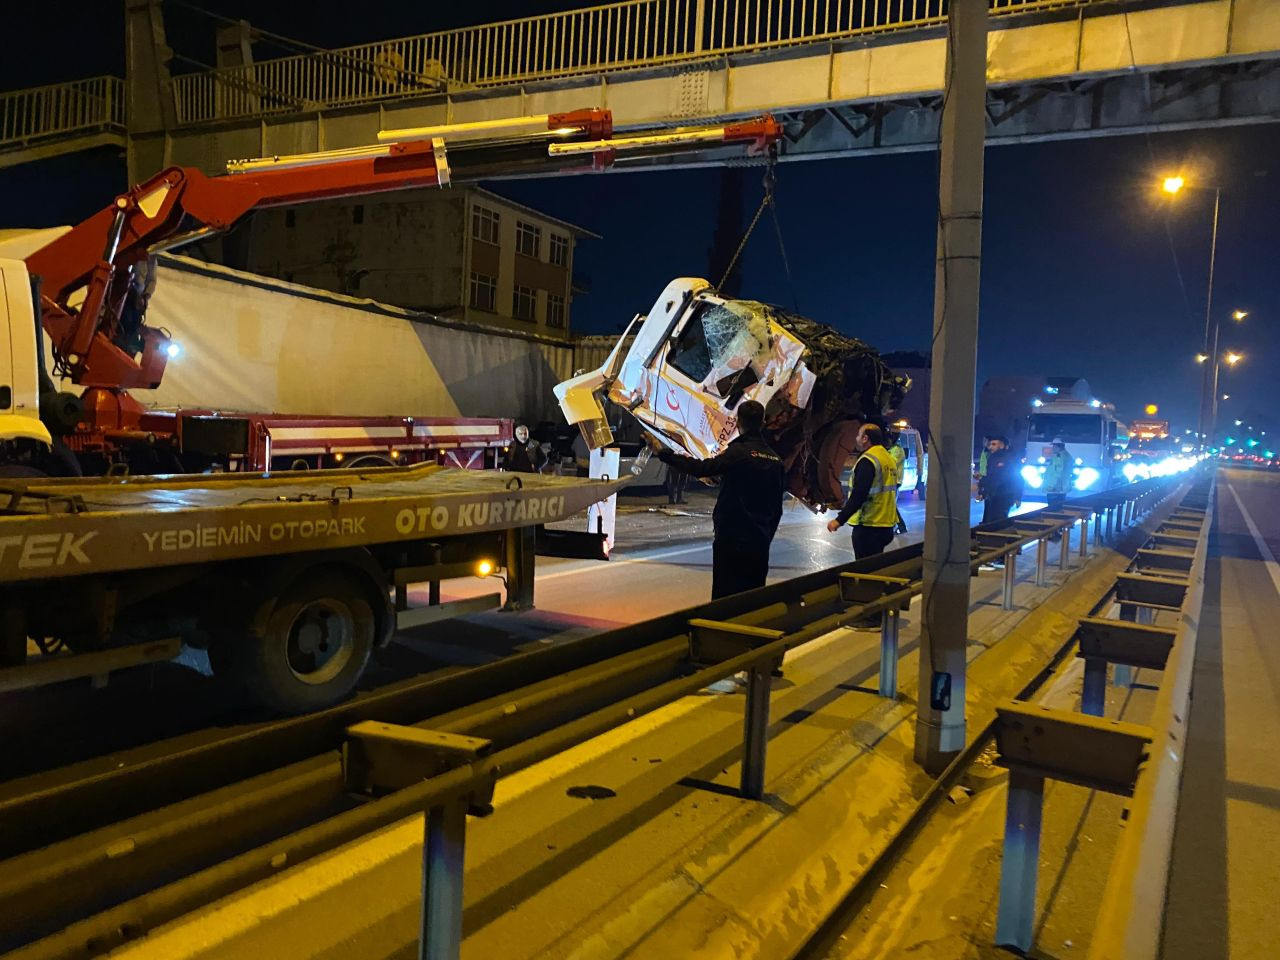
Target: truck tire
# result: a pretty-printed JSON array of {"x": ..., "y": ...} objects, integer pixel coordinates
[{"x": 316, "y": 643}]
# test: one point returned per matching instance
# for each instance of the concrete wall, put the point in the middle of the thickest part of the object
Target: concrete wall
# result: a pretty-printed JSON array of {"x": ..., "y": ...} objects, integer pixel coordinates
[
  {"x": 404, "y": 248},
  {"x": 511, "y": 268},
  {"x": 410, "y": 248}
]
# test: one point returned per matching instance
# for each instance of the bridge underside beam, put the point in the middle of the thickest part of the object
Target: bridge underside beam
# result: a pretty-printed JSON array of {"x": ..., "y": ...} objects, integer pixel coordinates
[{"x": 1225, "y": 95}]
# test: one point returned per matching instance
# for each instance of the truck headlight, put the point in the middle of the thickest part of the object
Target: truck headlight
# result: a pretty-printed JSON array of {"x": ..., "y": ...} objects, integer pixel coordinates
[{"x": 1087, "y": 478}]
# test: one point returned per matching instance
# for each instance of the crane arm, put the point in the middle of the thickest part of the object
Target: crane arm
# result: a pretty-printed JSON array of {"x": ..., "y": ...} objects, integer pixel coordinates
[{"x": 98, "y": 337}]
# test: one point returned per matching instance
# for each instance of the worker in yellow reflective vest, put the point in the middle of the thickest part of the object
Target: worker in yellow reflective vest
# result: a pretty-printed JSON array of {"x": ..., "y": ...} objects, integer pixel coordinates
[{"x": 872, "y": 505}]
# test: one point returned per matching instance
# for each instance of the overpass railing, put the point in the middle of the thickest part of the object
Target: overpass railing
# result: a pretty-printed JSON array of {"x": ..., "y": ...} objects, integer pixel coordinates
[
  {"x": 61, "y": 110},
  {"x": 613, "y": 36}
]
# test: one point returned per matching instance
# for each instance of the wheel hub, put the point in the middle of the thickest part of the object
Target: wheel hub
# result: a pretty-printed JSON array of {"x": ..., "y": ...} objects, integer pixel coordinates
[{"x": 321, "y": 641}]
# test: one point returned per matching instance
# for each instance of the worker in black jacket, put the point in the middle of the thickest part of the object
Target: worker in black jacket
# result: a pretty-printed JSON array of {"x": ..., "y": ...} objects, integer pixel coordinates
[
  {"x": 1001, "y": 488},
  {"x": 749, "y": 506}
]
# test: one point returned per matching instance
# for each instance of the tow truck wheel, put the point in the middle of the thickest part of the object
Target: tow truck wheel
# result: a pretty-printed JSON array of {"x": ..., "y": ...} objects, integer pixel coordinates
[{"x": 316, "y": 644}]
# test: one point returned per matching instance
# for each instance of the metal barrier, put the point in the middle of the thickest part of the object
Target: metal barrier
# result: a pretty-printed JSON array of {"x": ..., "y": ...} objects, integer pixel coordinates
[
  {"x": 615, "y": 36},
  {"x": 446, "y": 765},
  {"x": 61, "y": 109},
  {"x": 1038, "y": 743}
]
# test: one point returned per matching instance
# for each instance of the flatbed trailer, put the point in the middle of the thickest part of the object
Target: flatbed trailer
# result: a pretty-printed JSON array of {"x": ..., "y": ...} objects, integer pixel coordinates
[{"x": 288, "y": 580}]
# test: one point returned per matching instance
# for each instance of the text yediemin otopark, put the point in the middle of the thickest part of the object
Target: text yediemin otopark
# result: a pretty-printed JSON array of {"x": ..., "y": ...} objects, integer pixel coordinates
[{"x": 409, "y": 521}]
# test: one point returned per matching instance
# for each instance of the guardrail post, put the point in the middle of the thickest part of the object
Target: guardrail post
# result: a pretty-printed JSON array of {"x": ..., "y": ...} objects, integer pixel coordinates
[
  {"x": 755, "y": 730},
  {"x": 1097, "y": 528},
  {"x": 442, "y": 864},
  {"x": 1064, "y": 547},
  {"x": 1084, "y": 536},
  {"x": 890, "y": 622},
  {"x": 1042, "y": 558},
  {"x": 1093, "y": 697},
  {"x": 1015, "y": 921},
  {"x": 1010, "y": 577},
  {"x": 1111, "y": 522},
  {"x": 1123, "y": 675}
]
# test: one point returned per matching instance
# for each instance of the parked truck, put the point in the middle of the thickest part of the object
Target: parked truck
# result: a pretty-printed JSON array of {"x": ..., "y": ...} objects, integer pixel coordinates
[{"x": 682, "y": 369}]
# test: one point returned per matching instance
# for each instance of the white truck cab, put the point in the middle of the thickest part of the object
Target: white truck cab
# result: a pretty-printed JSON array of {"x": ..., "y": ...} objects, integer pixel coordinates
[
  {"x": 682, "y": 369},
  {"x": 694, "y": 358}
]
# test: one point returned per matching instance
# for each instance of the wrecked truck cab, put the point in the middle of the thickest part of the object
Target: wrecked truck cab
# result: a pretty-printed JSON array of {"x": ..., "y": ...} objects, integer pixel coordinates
[{"x": 682, "y": 369}]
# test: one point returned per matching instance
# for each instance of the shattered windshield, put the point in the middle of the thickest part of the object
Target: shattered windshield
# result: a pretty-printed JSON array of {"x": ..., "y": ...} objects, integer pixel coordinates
[{"x": 737, "y": 329}]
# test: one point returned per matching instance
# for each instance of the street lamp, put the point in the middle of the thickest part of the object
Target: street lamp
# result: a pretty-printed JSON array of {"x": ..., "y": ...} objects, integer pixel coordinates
[
  {"x": 1232, "y": 358},
  {"x": 1173, "y": 185}
]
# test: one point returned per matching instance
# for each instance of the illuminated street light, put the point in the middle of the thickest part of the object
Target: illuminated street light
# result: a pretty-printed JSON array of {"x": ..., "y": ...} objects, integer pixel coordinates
[
  {"x": 1233, "y": 358},
  {"x": 1239, "y": 314},
  {"x": 1238, "y": 422},
  {"x": 1173, "y": 184},
  {"x": 1226, "y": 396},
  {"x": 1201, "y": 357}
]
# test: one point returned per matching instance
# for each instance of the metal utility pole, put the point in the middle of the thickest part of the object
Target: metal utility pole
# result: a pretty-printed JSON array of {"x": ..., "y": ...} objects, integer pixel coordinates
[
  {"x": 1208, "y": 393},
  {"x": 940, "y": 721}
]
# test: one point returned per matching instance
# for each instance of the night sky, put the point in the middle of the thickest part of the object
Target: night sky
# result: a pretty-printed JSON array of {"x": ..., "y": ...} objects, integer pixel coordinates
[{"x": 1087, "y": 270}]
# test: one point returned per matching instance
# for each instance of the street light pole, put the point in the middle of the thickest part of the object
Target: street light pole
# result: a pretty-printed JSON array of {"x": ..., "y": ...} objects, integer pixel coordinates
[{"x": 1208, "y": 394}]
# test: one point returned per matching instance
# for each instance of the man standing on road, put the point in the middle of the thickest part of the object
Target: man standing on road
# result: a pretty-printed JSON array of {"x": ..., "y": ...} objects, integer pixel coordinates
[
  {"x": 1001, "y": 488},
  {"x": 522, "y": 454},
  {"x": 749, "y": 505},
  {"x": 872, "y": 505},
  {"x": 1057, "y": 474}
]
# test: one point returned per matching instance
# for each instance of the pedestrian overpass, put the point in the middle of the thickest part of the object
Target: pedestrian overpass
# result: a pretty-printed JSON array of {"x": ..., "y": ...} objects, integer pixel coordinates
[{"x": 845, "y": 76}]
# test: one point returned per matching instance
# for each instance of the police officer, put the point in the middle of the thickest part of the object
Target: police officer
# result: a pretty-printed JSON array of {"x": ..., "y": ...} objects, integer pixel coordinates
[
  {"x": 1057, "y": 474},
  {"x": 872, "y": 506},
  {"x": 749, "y": 505}
]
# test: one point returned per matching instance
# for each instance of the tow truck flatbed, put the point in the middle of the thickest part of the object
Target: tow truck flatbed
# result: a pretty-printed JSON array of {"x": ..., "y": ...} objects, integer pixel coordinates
[{"x": 66, "y": 527}]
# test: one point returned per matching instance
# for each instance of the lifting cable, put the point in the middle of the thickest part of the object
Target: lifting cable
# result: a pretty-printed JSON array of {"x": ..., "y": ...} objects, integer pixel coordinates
[{"x": 767, "y": 201}]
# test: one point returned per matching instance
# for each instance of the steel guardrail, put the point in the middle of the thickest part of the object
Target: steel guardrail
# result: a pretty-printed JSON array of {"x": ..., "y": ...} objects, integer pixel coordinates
[
  {"x": 1131, "y": 922},
  {"x": 1086, "y": 748}
]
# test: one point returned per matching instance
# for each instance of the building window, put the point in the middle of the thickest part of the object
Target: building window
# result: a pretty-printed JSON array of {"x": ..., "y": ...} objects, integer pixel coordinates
[
  {"x": 484, "y": 292},
  {"x": 524, "y": 304},
  {"x": 528, "y": 239},
  {"x": 484, "y": 225},
  {"x": 559, "y": 250},
  {"x": 555, "y": 306},
  {"x": 357, "y": 214}
]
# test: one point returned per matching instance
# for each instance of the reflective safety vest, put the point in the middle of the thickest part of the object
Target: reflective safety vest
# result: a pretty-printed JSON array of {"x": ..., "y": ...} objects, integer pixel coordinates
[{"x": 880, "y": 509}]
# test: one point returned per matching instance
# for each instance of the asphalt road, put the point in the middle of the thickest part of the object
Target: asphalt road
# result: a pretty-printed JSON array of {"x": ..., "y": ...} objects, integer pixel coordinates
[{"x": 1226, "y": 864}]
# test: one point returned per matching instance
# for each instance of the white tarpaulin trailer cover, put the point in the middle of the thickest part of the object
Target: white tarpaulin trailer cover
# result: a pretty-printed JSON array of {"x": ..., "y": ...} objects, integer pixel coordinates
[
  {"x": 255, "y": 344},
  {"x": 250, "y": 343}
]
